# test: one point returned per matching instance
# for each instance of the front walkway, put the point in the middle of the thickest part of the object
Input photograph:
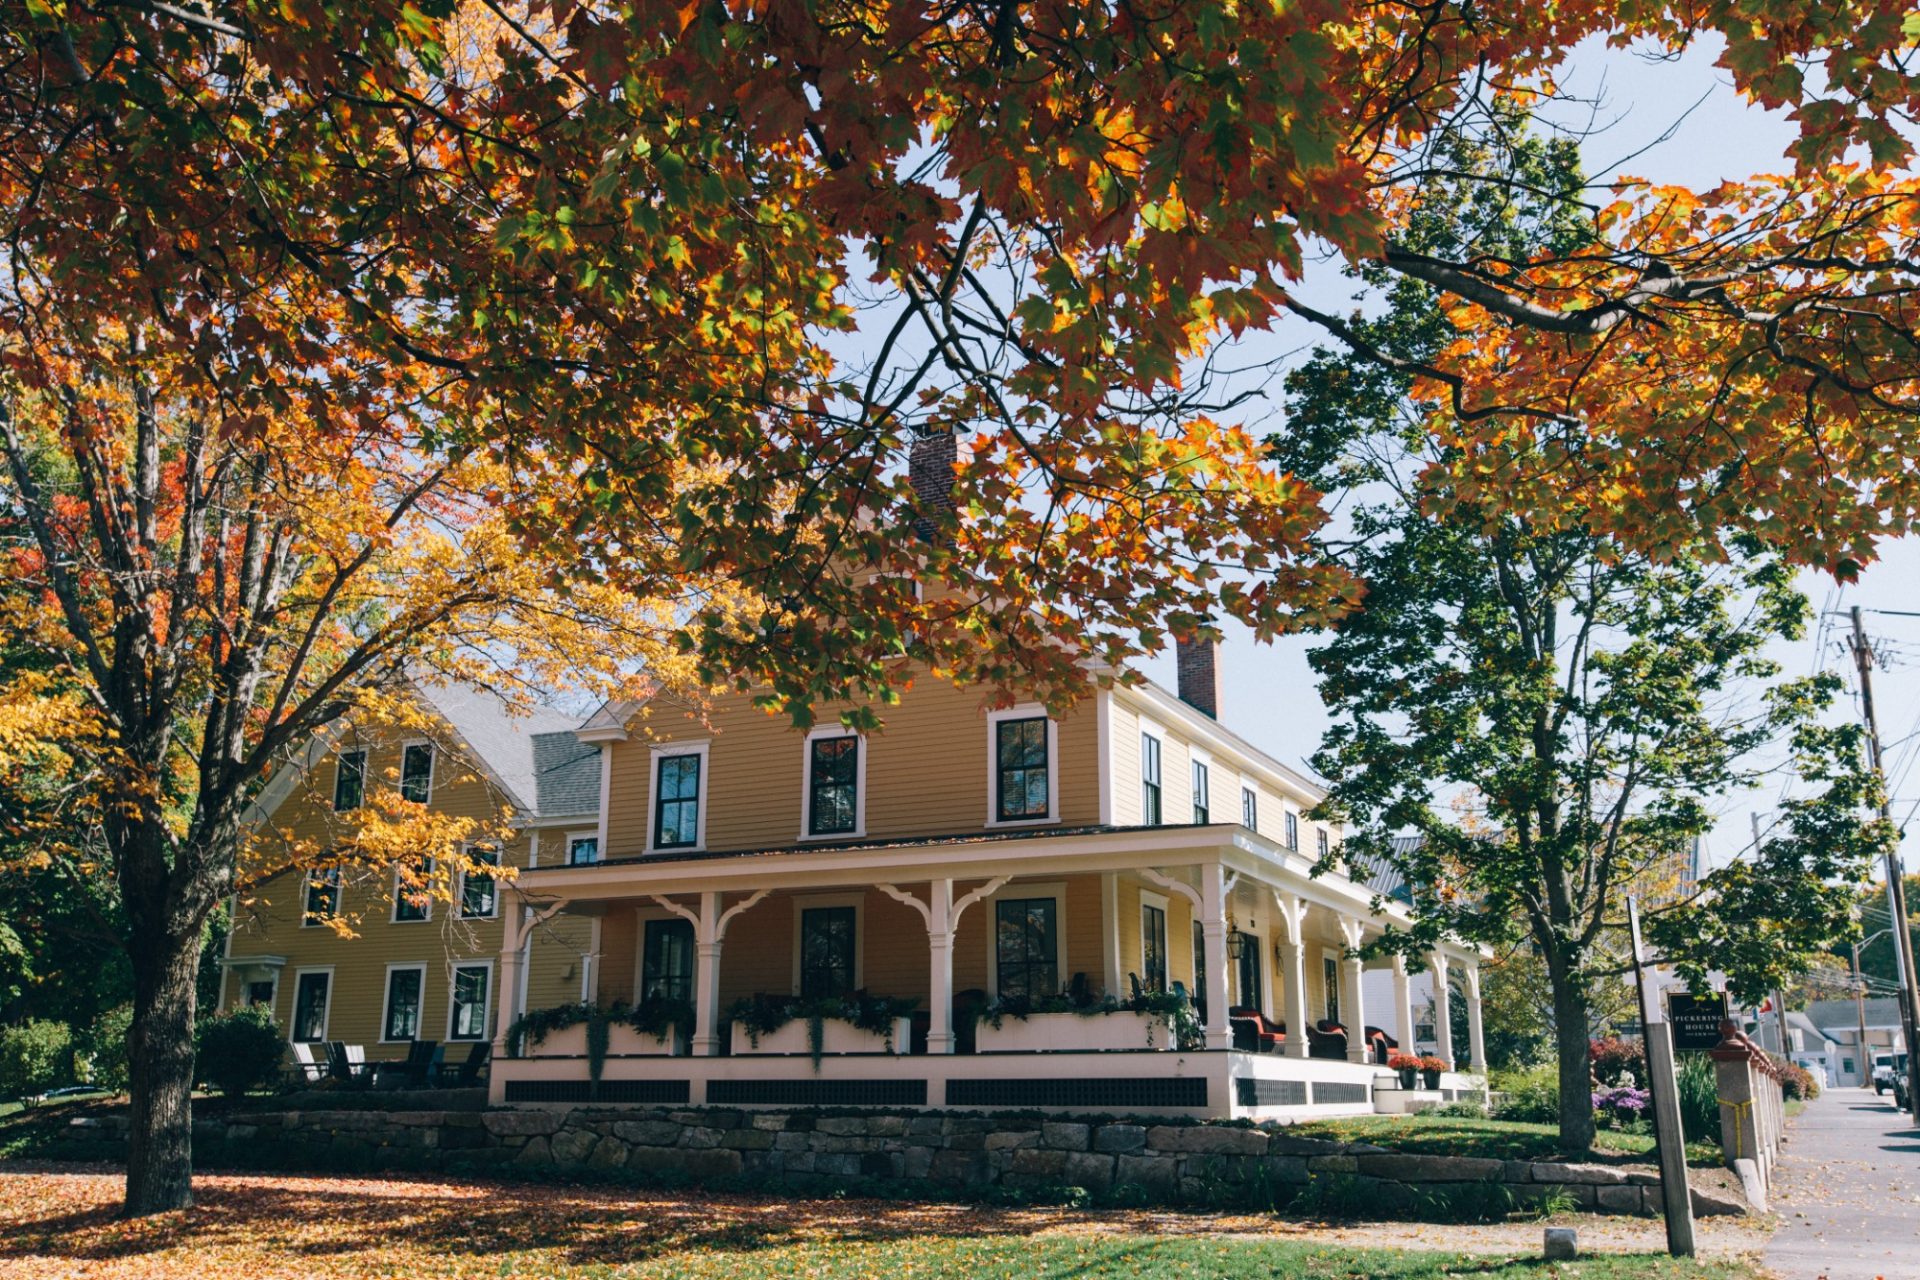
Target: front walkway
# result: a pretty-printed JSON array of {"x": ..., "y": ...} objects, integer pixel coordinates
[{"x": 1847, "y": 1192}]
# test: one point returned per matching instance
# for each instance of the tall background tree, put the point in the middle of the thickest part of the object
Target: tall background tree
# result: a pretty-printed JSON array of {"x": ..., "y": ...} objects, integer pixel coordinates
[
  {"x": 1586, "y": 702},
  {"x": 668, "y": 288}
]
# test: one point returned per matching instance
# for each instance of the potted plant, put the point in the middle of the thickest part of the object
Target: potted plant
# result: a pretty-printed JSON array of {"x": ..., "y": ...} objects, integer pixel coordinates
[
  {"x": 1430, "y": 1068},
  {"x": 1408, "y": 1065}
]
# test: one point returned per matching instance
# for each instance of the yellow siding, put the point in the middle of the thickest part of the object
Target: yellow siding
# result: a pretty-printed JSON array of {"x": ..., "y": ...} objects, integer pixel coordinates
[
  {"x": 926, "y": 771},
  {"x": 268, "y": 921}
]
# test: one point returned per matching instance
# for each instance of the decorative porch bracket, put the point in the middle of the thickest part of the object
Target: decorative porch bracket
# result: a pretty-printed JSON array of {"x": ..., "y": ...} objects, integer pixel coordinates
[
  {"x": 942, "y": 916},
  {"x": 1442, "y": 1007},
  {"x": 709, "y": 931},
  {"x": 513, "y": 961},
  {"x": 1292, "y": 910},
  {"x": 1354, "y": 973}
]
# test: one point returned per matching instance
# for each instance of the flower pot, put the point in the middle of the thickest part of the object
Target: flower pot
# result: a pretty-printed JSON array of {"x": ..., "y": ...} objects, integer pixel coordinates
[
  {"x": 1058, "y": 1032},
  {"x": 1431, "y": 1079},
  {"x": 1409, "y": 1078}
]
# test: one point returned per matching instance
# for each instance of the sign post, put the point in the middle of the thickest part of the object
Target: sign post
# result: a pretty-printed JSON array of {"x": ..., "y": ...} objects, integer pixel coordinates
[{"x": 1664, "y": 1085}]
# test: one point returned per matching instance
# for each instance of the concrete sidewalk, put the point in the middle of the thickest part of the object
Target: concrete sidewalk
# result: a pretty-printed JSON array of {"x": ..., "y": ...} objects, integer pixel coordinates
[{"x": 1847, "y": 1192}]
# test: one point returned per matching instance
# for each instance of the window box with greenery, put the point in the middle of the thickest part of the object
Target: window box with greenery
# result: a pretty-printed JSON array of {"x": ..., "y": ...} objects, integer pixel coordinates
[
  {"x": 854, "y": 1023},
  {"x": 1158, "y": 1020},
  {"x": 656, "y": 1027}
]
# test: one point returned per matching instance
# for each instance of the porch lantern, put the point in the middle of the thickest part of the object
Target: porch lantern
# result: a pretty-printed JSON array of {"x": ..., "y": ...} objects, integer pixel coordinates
[{"x": 1237, "y": 944}]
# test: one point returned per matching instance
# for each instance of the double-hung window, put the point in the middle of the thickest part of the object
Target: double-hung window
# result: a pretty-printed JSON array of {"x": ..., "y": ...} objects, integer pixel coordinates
[
  {"x": 827, "y": 940},
  {"x": 468, "y": 1018},
  {"x": 1320, "y": 842},
  {"x": 676, "y": 803},
  {"x": 412, "y": 896},
  {"x": 416, "y": 772},
  {"x": 833, "y": 786},
  {"x": 406, "y": 984},
  {"x": 582, "y": 850},
  {"x": 666, "y": 968},
  {"x": 1023, "y": 788},
  {"x": 1293, "y": 830},
  {"x": 1330, "y": 979},
  {"x": 1026, "y": 940},
  {"x": 1249, "y": 809},
  {"x": 349, "y": 780},
  {"x": 478, "y": 896},
  {"x": 1200, "y": 805},
  {"x": 1149, "y": 780},
  {"x": 323, "y": 895},
  {"x": 310, "y": 992},
  {"x": 1153, "y": 946}
]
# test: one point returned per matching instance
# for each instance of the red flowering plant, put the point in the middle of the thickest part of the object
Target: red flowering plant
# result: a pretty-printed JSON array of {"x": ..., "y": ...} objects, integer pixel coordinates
[
  {"x": 1431, "y": 1063},
  {"x": 1405, "y": 1061}
]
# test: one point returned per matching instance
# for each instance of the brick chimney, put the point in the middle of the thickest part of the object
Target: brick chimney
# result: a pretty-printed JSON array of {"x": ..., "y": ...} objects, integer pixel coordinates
[
  {"x": 930, "y": 471},
  {"x": 1198, "y": 664}
]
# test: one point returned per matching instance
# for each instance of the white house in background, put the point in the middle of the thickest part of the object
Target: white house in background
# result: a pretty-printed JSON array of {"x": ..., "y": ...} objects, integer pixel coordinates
[{"x": 1838, "y": 1023}]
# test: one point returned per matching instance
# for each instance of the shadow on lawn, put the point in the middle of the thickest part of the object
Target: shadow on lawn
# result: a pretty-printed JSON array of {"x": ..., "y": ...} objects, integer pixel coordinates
[{"x": 318, "y": 1216}]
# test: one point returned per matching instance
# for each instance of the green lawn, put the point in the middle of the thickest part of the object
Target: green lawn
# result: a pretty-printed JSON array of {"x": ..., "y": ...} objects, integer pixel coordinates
[
  {"x": 1059, "y": 1257},
  {"x": 1427, "y": 1134}
]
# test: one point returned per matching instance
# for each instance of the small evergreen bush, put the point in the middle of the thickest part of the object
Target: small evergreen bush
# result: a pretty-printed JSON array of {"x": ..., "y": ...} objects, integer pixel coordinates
[
  {"x": 35, "y": 1057},
  {"x": 239, "y": 1051},
  {"x": 1532, "y": 1095}
]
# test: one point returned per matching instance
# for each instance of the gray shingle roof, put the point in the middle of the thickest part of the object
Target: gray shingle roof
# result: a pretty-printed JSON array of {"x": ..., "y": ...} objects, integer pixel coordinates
[
  {"x": 566, "y": 775},
  {"x": 500, "y": 737},
  {"x": 1882, "y": 1012}
]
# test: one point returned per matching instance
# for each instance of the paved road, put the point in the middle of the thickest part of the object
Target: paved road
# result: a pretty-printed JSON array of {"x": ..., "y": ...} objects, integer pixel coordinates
[{"x": 1848, "y": 1192}]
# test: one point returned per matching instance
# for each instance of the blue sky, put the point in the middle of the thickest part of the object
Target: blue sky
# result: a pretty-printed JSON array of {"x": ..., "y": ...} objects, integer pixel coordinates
[{"x": 1671, "y": 120}]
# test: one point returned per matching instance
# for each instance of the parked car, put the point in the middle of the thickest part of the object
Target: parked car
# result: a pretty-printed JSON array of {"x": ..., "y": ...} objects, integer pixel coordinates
[{"x": 1882, "y": 1072}]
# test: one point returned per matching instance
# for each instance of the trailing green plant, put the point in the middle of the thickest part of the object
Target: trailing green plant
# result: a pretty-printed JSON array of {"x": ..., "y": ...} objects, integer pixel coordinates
[
  {"x": 1169, "y": 1008},
  {"x": 240, "y": 1051},
  {"x": 663, "y": 1018},
  {"x": 762, "y": 1014},
  {"x": 535, "y": 1025}
]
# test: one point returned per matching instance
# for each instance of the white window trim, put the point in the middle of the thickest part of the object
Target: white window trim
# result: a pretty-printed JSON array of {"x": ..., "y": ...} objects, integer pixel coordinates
[
  {"x": 393, "y": 900},
  {"x": 460, "y": 893},
  {"x": 1197, "y": 758},
  {"x": 307, "y": 921},
  {"x": 1055, "y": 889},
  {"x": 1148, "y": 898},
  {"x": 599, "y": 847},
  {"x": 366, "y": 757},
  {"x": 1025, "y": 711},
  {"x": 326, "y": 1013},
  {"x": 654, "y": 757},
  {"x": 817, "y": 734},
  {"x": 433, "y": 765},
  {"x": 240, "y": 991},
  {"x": 1249, "y": 785},
  {"x": 858, "y": 901},
  {"x": 386, "y": 997},
  {"x": 487, "y": 1003}
]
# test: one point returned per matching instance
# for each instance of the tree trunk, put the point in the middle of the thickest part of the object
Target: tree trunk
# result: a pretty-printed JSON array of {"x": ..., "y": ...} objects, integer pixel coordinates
[
  {"x": 1570, "y": 1023},
  {"x": 160, "y": 1065}
]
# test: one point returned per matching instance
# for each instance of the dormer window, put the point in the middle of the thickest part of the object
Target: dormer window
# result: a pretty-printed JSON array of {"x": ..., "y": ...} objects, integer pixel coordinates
[
  {"x": 1022, "y": 768},
  {"x": 677, "y": 797}
]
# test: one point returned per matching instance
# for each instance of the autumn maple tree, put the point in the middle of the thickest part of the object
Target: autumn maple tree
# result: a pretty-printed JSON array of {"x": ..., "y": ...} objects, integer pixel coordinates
[{"x": 668, "y": 288}]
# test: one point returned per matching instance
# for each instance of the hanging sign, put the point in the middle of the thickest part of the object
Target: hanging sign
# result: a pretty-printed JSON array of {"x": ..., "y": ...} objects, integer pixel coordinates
[{"x": 1696, "y": 1019}]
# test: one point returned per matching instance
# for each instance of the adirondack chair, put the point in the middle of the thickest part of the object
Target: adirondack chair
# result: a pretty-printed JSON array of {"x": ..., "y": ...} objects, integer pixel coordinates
[
  {"x": 466, "y": 1074},
  {"x": 347, "y": 1062},
  {"x": 418, "y": 1070},
  {"x": 306, "y": 1069}
]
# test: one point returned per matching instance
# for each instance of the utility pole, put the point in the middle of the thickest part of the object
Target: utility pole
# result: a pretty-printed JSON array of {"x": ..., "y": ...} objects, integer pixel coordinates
[
  {"x": 1779, "y": 998},
  {"x": 1896, "y": 891},
  {"x": 1865, "y": 1056}
]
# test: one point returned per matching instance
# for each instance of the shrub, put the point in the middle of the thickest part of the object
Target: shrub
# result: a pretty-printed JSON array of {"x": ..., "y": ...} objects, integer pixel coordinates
[
  {"x": 1532, "y": 1095},
  {"x": 1699, "y": 1098},
  {"x": 239, "y": 1051},
  {"x": 1799, "y": 1084},
  {"x": 105, "y": 1045},
  {"x": 35, "y": 1057},
  {"x": 1614, "y": 1059}
]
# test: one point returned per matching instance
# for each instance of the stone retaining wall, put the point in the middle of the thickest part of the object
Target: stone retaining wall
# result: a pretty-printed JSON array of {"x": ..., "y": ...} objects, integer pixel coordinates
[{"x": 934, "y": 1153}]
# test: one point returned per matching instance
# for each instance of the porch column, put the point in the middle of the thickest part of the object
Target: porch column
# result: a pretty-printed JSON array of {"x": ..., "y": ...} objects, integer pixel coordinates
[
  {"x": 1354, "y": 1000},
  {"x": 1213, "y": 929},
  {"x": 940, "y": 1038},
  {"x": 706, "y": 978},
  {"x": 1476, "y": 1034},
  {"x": 512, "y": 958},
  {"x": 1293, "y": 1009},
  {"x": 1402, "y": 1005},
  {"x": 1111, "y": 977},
  {"x": 1442, "y": 1010}
]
